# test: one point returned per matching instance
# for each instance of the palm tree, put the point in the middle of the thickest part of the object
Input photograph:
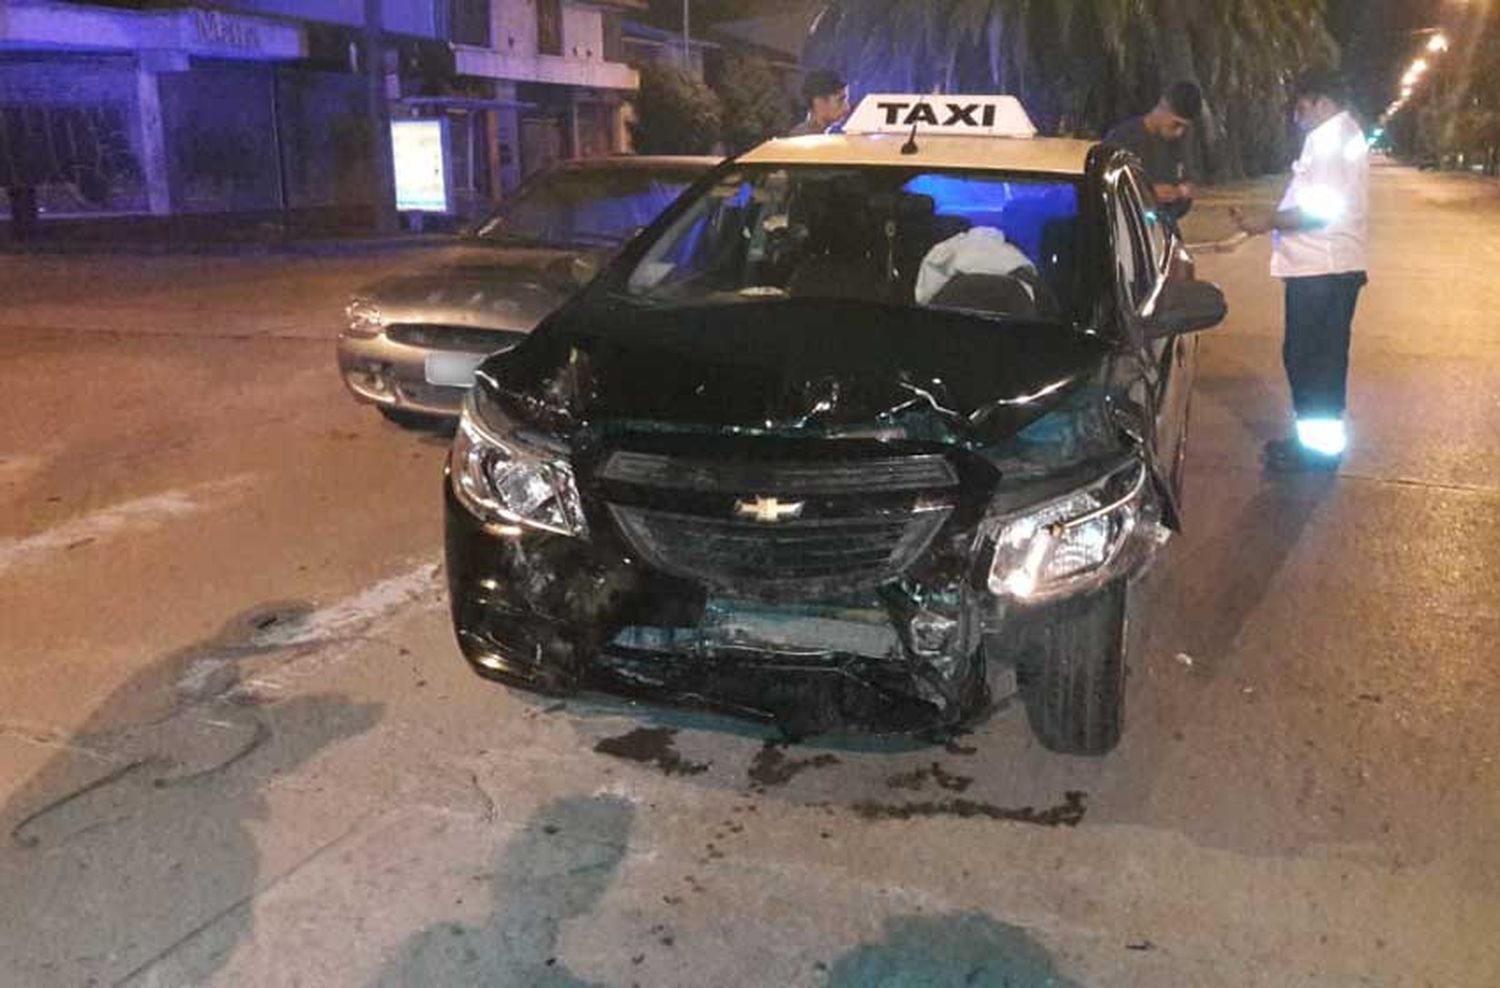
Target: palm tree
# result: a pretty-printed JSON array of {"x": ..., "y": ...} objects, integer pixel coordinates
[{"x": 1081, "y": 64}]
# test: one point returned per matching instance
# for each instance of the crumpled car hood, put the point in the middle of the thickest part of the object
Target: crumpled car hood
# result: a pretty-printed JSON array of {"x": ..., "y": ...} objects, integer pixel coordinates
[
  {"x": 489, "y": 288},
  {"x": 812, "y": 367}
]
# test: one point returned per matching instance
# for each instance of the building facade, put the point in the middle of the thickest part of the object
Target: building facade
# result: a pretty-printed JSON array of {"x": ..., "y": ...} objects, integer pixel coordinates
[{"x": 268, "y": 107}]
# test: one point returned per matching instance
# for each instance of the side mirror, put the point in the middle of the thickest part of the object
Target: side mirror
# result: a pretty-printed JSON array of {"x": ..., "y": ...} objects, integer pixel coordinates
[{"x": 1187, "y": 307}]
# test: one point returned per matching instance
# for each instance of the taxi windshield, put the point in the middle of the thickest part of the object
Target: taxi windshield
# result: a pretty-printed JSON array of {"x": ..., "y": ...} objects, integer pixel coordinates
[{"x": 997, "y": 244}]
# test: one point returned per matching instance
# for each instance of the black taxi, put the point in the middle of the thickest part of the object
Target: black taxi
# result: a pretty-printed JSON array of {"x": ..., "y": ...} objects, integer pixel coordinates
[{"x": 865, "y": 430}]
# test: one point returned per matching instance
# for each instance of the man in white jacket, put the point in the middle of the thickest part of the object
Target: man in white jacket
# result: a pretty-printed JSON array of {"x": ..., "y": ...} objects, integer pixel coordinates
[
  {"x": 1320, "y": 237},
  {"x": 982, "y": 250}
]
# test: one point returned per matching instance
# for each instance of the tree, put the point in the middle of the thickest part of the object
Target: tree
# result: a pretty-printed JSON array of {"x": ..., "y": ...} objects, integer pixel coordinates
[
  {"x": 1455, "y": 112},
  {"x": 675, "y": 113},
  {"x": 1079, "y": 65},
  {"x": 756, "y": 106}
]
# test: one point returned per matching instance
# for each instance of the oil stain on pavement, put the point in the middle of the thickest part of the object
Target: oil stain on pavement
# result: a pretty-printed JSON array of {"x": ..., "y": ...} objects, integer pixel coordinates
[
  {"x": 962, "y": 949},
  {"x": 651, "y": 746},
  {"x": 917, "y": 780},
  {"x": 1067, "y": 814},
  {"x": 555, "y": 869},
  {"x": 772, "y": 767}
]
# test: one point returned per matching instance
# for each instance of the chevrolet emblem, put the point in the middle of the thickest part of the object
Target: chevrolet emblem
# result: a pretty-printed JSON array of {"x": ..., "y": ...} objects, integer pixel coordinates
[{"x": 769, "y": 509}]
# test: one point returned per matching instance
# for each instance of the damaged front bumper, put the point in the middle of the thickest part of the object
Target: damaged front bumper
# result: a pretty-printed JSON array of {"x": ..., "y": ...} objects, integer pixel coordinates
[
  {"x": 928, "y": 647},
  {"x": 556, "y": 613}
]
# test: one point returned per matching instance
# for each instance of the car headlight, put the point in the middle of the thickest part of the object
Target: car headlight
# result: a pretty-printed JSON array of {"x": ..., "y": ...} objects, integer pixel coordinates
[
  {"x": 1051, "y": 548},
  {"x": 364, "y": 318},
  {"x": 503, "y": 481}
]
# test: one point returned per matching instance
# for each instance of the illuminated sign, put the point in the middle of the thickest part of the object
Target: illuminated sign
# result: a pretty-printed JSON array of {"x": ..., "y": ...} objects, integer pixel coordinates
[
  {"x": 982, "y": 116},
  {"x": 420, "y": 148}
]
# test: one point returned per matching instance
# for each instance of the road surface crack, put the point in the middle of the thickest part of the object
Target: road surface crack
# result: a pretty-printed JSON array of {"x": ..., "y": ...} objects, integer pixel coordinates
[
  {"x": 243, "y": 901},
  {"x": 1424, "y": 485}
]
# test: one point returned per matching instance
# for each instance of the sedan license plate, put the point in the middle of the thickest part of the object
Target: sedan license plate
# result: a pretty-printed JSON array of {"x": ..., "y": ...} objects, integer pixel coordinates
[{"x": 453, "y": 370}]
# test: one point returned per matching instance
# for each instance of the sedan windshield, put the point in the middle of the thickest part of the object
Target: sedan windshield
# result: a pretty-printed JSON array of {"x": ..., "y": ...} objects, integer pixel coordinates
[
  {"x": 589, "y": 207},
  {"x": 993, "y": 243}
]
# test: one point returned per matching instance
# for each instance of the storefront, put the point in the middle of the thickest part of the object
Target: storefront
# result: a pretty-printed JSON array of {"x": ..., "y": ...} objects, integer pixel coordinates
[
  {"x": 192, "y": 112},
  {"x": 195, "y": 113},
  {"x": 107, "y": 111},
  {"x": 559, "y": 81}
]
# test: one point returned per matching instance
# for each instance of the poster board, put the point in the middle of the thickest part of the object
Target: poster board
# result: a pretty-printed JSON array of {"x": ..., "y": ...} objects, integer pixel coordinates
[{"x": 423, "y": 172}]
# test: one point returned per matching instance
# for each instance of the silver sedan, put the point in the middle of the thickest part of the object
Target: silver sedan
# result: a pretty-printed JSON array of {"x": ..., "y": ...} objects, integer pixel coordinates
[{"x": 412, "y": 342}]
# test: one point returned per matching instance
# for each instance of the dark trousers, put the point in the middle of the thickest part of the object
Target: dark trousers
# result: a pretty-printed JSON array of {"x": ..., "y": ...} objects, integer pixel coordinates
[{"x": 1319, "y": 315}]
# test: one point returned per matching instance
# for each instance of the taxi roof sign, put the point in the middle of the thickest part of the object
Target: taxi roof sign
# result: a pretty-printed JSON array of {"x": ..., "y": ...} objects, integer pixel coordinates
[{"x": 971, "y": 116}]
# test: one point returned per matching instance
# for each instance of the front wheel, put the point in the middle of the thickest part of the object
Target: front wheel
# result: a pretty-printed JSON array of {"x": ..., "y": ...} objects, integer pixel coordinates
[{"x": 1073, "y": 673}]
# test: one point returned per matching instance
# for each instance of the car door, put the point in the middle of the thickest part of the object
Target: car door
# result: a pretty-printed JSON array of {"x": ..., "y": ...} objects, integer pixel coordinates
[
  {"x": 1141, "y": 271},
  {"x": 1176, "y": 357}
]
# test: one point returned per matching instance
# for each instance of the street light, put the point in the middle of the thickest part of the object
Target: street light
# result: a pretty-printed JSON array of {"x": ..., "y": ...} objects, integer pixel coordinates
[{"x": 1436, "y": 45}]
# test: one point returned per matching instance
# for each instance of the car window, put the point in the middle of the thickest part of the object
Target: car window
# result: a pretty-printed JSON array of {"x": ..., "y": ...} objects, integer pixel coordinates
[
  {"x": 586, "y": 206},
  {"x": 1157, "y": 239},
  {"x": 1132, "y": 257},
  {"x": 992, "y": 243}
]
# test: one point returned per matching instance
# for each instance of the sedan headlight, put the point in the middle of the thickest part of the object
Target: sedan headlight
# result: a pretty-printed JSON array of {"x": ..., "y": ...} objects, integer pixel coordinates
[
  {"x": 1051, "y": 548},
  {"x": 503, "y": 481},
  {"x": 364, "y": 318}
]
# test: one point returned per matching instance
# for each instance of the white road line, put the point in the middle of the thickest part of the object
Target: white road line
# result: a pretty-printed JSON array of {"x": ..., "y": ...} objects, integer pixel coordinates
[
  {"x": 129, "y": 516},
  {"x": 361, "y": 609}
]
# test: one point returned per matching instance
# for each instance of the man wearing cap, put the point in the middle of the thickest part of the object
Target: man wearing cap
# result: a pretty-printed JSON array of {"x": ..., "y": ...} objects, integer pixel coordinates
[
  {"x": 1319, "y": 252},
  {"x": 1160, "y": 140},
  {"x": 825, "y": 96}
]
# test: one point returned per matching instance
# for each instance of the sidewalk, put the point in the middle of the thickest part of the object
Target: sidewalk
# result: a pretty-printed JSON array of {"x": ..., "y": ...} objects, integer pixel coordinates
[
  {"x": 210, "y": 234},
  {"x": 1209, "y": 221},
  {"x": 317, "y": 247}
]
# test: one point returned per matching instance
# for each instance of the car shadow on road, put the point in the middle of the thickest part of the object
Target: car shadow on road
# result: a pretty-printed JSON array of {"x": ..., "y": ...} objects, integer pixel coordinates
[
  {"x": 962, "y": 949},
  {"x": 556, "y": 868},
  {"x": 427, "y": 430},
  {"x": 1222, "y": 581},
  {"x": 130, "y": 857}
]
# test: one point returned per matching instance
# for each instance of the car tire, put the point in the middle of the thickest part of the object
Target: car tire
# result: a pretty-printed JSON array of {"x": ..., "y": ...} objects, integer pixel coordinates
[{"x": 1073, "y": 673}]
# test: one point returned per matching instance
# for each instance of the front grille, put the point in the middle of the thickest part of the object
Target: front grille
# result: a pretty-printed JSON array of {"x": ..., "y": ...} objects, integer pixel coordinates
[
  {"x": 796, "y": 558},
  {"x": 910, "y": 473},
  {"x": 465, "y": 339}
]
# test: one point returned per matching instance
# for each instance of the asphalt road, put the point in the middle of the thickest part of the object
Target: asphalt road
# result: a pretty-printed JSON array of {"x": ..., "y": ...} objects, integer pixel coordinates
[{"x": 238, "y": 746}]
